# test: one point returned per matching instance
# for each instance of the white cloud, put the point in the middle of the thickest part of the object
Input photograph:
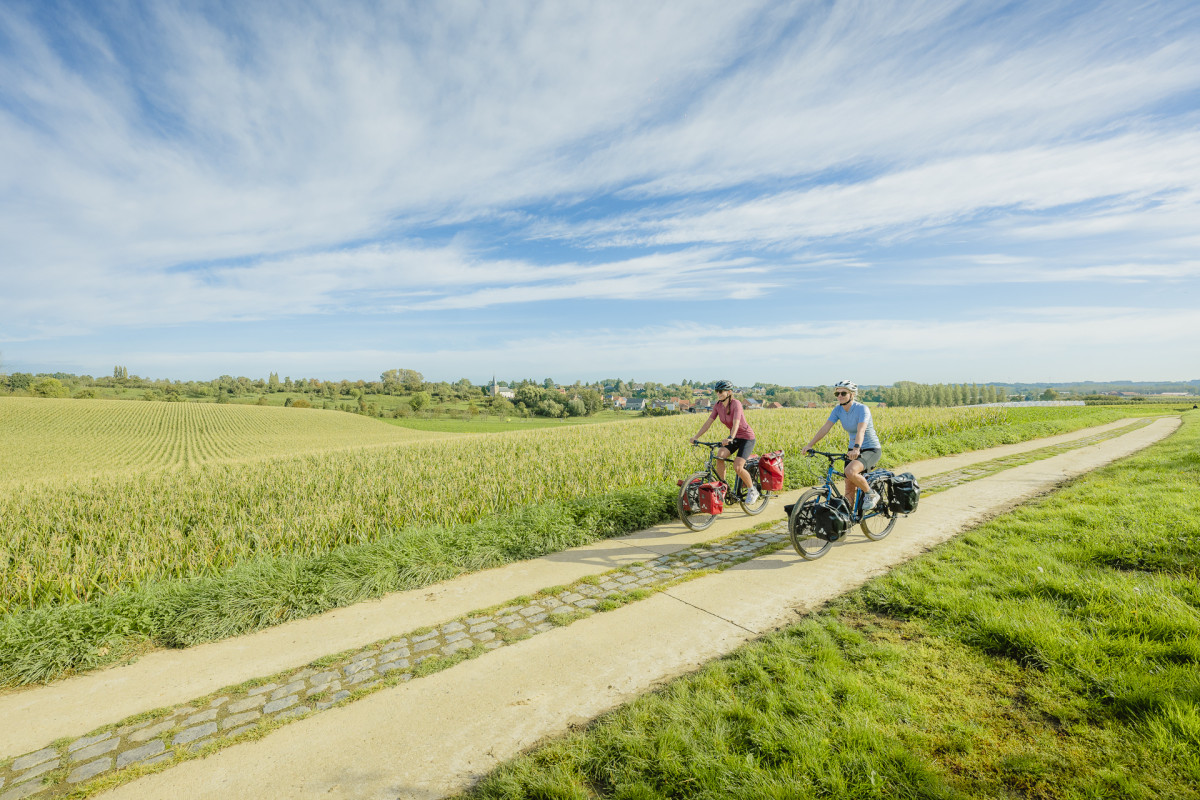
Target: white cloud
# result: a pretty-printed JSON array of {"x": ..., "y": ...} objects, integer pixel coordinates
[
  {"x": 1126, "y": 171},
  {"x": 1014, "y": 270}
]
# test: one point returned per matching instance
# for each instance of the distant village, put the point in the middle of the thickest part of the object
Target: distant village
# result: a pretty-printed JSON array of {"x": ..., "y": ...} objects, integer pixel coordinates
[{"x": 685, "y": 399}]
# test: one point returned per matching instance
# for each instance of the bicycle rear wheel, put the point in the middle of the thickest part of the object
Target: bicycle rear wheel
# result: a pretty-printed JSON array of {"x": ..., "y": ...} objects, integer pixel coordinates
[
  {"x": 803, "y": 532},
  {"x": 687, "y": 501},
  {"x": 879, "y": 520}
]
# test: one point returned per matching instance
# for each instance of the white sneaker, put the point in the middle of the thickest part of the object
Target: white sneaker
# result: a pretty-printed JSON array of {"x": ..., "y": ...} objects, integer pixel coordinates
[
  {"x": 870, "y": 501},
  {"x": 752, "y": 496}
]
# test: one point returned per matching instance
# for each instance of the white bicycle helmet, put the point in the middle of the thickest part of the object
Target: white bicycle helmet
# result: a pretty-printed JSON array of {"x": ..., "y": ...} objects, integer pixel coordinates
[{"x": 851, "y": 385}]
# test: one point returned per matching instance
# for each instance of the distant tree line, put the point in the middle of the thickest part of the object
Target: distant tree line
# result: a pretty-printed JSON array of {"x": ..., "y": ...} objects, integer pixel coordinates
[
  {"x": 400, "y": 392},
  {"x": 414, "y": 394}
]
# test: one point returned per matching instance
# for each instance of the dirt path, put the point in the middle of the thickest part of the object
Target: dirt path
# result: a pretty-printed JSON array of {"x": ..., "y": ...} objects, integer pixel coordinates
[{"x": 433, "y": 736}]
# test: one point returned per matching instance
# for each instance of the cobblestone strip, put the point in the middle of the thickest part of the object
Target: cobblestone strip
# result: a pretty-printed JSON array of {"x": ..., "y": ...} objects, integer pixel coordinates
[{"x": 138, "y": 744}]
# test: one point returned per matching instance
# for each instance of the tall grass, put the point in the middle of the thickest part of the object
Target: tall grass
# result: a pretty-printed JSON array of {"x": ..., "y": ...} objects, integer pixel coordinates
[
  {"x": 46, "y": 643},
  {"x": 1051, "y": 653}
]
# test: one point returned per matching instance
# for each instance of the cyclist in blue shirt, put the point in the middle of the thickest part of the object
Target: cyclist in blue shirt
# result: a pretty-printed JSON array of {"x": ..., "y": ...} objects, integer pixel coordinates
[{"x": 864, "y": 449}]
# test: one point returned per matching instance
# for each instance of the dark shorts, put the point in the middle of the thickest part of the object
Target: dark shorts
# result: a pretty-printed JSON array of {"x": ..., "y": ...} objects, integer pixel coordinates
[
  {"x": 869, "y": 457},
  {"x": 740, "y": 448}
]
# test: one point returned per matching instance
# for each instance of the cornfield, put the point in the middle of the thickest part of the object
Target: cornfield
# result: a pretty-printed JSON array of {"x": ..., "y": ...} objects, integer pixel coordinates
[
  {"x": 169, "y": 493},
  {"x": 57, "y": 439}
]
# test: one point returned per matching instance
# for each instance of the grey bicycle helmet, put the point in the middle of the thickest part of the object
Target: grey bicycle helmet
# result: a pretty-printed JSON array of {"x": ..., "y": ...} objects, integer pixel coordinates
[
  {"x": 721, "y": 386},
  {"x": 851, "y": 385}
]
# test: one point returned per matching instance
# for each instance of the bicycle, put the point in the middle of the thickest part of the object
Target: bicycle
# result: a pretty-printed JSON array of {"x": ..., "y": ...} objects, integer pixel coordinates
[
  {"x": 809, "y": 540},
  {"x": 688, "y": 502}
]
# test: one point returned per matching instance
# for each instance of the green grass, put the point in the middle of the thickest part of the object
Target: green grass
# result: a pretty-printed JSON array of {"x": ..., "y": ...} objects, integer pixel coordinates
[{"x": 1051, "y": 653}]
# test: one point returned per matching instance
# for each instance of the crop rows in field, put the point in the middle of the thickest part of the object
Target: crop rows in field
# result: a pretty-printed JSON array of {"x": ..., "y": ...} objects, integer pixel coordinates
[
  {"x": 44, "y": 439},
  {"x": 73, "y": 541}
]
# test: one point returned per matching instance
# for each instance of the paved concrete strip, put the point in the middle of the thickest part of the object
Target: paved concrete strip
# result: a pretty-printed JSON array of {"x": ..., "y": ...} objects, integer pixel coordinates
[
  {"x": 167, "y": 678},
  {"x": 435, "y": 736},
  {"x": 934, "y": 466}
]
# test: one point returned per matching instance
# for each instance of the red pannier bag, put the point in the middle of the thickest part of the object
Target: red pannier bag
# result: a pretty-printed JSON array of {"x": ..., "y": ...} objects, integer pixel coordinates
[
  {"x": 711, "y": 498},
  {"x": 770, "y": 471}
]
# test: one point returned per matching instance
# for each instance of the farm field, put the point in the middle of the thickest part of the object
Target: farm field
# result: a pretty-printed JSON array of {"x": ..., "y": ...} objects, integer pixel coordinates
[
  {"x": 62, "y": 440},
  {"x": 183, "y": 506},
  {"x": 293, "y": 535}
]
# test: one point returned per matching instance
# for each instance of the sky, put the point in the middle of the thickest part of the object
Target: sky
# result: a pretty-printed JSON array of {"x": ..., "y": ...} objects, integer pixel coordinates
[{"x": 786, "y": 192}]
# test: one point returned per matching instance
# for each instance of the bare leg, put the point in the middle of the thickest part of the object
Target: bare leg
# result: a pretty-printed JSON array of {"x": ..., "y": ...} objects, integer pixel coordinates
[
  {"x": 719, "y": 466},
  {"x": 739, "y": 466},
  {"x": 855, "y": 481}
]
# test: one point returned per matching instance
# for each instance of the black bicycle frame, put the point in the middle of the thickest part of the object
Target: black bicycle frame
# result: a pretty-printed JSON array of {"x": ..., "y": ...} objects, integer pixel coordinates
[
  {"x": 829, "y": 485},
  {"x": 735, "y": 489}
]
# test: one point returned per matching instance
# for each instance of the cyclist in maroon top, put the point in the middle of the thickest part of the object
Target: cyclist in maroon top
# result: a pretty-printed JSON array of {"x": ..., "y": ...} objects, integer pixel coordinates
[{"x": 740, "y": 441}]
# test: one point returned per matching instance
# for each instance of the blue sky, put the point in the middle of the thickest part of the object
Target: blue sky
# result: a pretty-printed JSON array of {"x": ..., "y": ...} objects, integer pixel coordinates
[{"x": 792, "y": 192}]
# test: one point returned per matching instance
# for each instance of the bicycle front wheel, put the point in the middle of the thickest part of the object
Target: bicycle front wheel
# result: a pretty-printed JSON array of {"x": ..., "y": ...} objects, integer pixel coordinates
[
  {"x": 880, "y": 520},
  {"x": 803, "y": 532},
  {"x": 688, "y": 500}
]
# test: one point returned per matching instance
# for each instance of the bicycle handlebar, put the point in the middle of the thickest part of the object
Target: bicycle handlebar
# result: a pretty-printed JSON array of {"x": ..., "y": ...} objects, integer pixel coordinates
[{"x": 830, "y": 456}]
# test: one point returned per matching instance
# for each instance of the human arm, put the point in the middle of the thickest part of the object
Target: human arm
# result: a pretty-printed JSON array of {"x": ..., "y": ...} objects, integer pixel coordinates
[{"x": 856, "y": 444}]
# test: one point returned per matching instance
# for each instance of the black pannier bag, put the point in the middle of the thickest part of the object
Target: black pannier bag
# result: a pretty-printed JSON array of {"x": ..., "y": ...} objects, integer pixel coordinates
[
  {"x": 905, "y": 493},
  {"x": 831, "y": 519}
]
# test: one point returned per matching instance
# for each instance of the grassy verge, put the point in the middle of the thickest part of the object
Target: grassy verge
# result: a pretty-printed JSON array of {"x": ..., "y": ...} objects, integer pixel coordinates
[{"x": 1051, "y": 653}]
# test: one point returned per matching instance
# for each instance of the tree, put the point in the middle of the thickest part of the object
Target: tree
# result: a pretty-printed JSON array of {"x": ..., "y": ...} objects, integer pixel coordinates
[
  {"x": 50, "y": 387},
  {"x": 20, "y": 380},
  {"x": 549, "y": 408},
  {"x": 419, "y": 400},
  {"x": 1049, "y": 394},
  {"x": 548, "y": 383},
  {"x": 576, "y": 408},
  {"x": 530, "y": 395},
  {"x": 593, "y": 401},
  {"x": 411, "y": 380}
]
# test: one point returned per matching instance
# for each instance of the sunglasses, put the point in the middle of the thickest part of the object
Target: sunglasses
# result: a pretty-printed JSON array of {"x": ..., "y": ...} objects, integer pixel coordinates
[{"x": 841, "y": 394}]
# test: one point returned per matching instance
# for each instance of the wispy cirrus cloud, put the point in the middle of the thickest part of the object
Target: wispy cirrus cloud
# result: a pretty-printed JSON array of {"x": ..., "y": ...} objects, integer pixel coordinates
[{"x": 1146, "y": 172}]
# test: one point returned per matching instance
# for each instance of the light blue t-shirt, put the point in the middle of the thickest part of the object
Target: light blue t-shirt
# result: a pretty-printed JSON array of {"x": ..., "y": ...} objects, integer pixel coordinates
[{"x": 851, "y": 420}]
